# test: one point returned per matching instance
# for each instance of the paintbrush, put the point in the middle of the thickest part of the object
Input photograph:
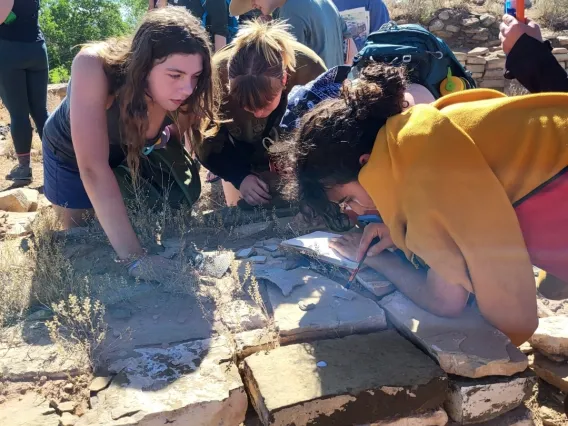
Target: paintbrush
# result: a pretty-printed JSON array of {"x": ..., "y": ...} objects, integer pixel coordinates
[{"x": 374, "y": 241}]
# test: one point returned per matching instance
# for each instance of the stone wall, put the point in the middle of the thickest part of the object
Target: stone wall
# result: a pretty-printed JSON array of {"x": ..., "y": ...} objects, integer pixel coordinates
[
  {"x": 463, "y": 28},
  {"x": 487, "y": 65}
]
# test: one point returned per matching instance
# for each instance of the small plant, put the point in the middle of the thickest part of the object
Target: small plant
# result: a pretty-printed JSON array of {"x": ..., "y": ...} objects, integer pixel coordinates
[
  {"x": 59, "y": 75},
  {"x": 78, "y": 328}
]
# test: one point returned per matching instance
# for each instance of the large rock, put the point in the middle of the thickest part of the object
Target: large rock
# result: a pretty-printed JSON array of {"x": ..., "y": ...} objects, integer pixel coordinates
[
  {"x": 466, "y": 346},
  {"x": 551, "y": 336},
  {"x": 430, "y": 418},
  {"x": 19, "y": 224},
  {"x": 19, "y": 200},
  {"x": 189, "y": 384},
  {"x": 27, "y": 411},
  {"x": 551, "y": 372},
  {"x": 337, "y": 312},
  {"x": 354, "y": 380},
  {"x": 520, "y": 416},
  {"x": 475, "y": 401},
  {"x": 27, "y": 360}
]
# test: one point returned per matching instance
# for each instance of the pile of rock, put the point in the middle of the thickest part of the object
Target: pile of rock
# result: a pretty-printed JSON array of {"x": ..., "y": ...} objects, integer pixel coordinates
[
  {"x": 488, "y": 65},
  {"x": 459, "y": 27},
  {"x": 18, "y": 210}
]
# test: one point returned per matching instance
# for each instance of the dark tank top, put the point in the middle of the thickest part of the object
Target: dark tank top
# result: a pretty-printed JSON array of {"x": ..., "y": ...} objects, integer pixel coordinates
[
  {"x": 25, "y": 27},
  {"x": 57, "y": 133}
]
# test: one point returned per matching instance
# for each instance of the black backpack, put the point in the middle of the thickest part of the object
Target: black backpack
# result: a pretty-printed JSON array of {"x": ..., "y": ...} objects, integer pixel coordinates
[{"x": 426, "y": 57}]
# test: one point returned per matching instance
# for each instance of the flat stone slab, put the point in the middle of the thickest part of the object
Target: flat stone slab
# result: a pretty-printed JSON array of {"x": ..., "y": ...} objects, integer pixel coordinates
[
  {"x": 478, "y": 400},
  {"x": 332, "y": 316},
  {"x": 551, "y": 372},
  {"x": 375, "y": 282},
  {"x": 27, "y": 411},
  {"x": 551, "y": 336},
  {"x": 430, "y": 418},
  {"x": 520, "y": 416},
  {"x": 188, "y": 384},
  {"x": 286, "y": 281},
  {"x": 30, "y": 357},
  {"x": 467, "y": 346},
  {"x": 366, "y": 379}
]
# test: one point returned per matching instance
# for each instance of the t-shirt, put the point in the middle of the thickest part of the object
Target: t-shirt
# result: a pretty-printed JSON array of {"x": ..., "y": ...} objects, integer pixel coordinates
[
  {"x": 26, "y": 26},
  {"x": 217, "y": 14},
  {"x": 318, "y": 25},
  {"x": 379, "y": 15}
]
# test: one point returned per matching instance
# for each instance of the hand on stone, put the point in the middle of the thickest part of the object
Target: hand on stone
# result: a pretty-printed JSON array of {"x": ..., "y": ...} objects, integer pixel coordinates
[
  {"x": 156, "y": 268},
  {"x": 347, "y": 245},
  {"x": 255, "y": 191},
  {"x": 511, "y": 30}
]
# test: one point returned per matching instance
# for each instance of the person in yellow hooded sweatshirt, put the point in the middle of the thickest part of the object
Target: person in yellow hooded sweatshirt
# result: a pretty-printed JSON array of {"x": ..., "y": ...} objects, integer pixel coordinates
[{"x": 471, "y": 188}]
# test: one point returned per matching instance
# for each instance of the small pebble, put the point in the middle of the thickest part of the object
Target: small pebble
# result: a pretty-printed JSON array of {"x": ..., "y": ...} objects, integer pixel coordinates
[
  {"x": 322, "y": 364},
  {"x": 155, "y": 317},
  {"x": 68, "y": 388},
  {"x": 306, "y": 306},
  {"x": 271, "y": 248},
  {"x": 257, "y": 259},
  {"x": 99, "y": 383},
  {"x": 116, "y": 333},
  {"x": 66, "y": 407}
]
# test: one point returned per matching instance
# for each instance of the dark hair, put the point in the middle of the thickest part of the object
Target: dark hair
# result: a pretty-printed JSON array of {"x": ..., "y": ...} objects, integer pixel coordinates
[
  {"x": 325, "y": 149},
  {"x": 263, "y": 53},
  {"x": 128, "y": 61}
]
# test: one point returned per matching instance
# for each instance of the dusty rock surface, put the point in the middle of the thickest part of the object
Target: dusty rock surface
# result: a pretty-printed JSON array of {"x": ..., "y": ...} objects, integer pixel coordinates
[
  {"x": 339, "y": 391},
  {"x": 475, "y": 401},
  {"x": 551, "y": 336},
  {"x": 192, "y": 383},
  {"x": 466, "y": 346}
]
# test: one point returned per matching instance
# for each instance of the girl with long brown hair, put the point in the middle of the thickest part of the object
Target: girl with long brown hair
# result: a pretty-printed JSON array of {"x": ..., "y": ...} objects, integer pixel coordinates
[{"x": 125, "y": 97}]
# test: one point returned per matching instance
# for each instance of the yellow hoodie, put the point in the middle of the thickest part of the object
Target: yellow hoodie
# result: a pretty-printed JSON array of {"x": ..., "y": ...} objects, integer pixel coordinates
[{"x": 444, "y": 178}]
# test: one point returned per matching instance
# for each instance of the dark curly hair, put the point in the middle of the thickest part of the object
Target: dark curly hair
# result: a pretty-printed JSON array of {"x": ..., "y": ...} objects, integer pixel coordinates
[{"x": 326, "y": 148}]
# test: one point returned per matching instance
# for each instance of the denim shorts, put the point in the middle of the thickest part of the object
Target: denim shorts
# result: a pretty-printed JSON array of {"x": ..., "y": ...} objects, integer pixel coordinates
[{"x": 62, "y": 182}]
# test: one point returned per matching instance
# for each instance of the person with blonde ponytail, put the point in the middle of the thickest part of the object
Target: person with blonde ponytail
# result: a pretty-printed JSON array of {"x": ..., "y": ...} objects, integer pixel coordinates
[
  {"x": 256, "y": 71},
  {"x": 126, "y": 98}
]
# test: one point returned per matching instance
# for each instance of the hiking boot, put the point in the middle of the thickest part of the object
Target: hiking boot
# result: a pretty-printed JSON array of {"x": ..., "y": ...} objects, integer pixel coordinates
[{"x": 20, "y": 174}]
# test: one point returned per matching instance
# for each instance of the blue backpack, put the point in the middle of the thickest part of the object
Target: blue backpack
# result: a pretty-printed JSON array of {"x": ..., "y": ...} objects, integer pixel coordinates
[
  {"x": 232, "y": 24},
  {"x": 426, "y": 57}
]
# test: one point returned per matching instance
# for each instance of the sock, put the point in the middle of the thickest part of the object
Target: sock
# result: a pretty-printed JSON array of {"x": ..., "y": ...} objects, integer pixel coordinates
[{"x": 24, "y": 160}]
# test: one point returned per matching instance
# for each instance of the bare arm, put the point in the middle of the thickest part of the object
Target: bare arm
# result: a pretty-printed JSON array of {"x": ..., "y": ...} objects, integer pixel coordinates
[
  {"x": 220, "y": 42},
  {"x": 5, "y": 9},
  {"x": 427, "y": 289},
  {"x": 89, "y": 94},
  {"x": 351, "y": 51}
]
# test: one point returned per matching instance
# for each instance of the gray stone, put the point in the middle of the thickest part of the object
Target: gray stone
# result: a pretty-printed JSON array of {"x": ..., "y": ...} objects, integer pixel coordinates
[
  {"x": 306, "y": 306},
  {"x": 241, "y": 315},
  {"x": 563, "y": 40},
  {"x": 68, "y": 420},
  {"x": 257, "y": 259},
  {"x": 19, "y": 224},
  {"x": 551, "y": 372},
  {"x": 487, "y": 20},
  {"x": 27, "y": 411},
  {"x": 494, "y": 74},
  {"x": 20, "y": 200},
  {"x": 481, "y": 37},
  {"x": 520, "y": 416},
  {"x": 286, "y": 281},
  {"x": 460, "y": 56},
  {"x": 453, "y": 28},
  {"x": 466, "y": 346},
  {"x": 331, "y": 317},
  {"x": 245, "y": 253},
  {"x": 469, "y": 22},
  {"x": 475, "y": 401},
  {"x": 476, "y": 60},
  {"x": 188, "y": 384},
  {"x": 476, "y": 68},
  {"x": 40, "y": 315},
  {"x": 244, "y": 231},
  {"x": 493, "y": 84},
  {"x": 271, "y": 247},
  {"x": 444, "y": 15},
  {"x": 430, "y": 418},
  {"x": 436, "y": 25},
  {"x": 478, "y": 51},
  {"x": 100, "y": 383},
  {"x": 354, "y": 387},
  {"x": 66, "y": 407},
  {"x": 216, "y": 264},
  {"x": 551, "y": 336},
  {"x": 375, "y": 282},
  {"x": 494, "y": 63},
  {"x": 24, "y": 362}
]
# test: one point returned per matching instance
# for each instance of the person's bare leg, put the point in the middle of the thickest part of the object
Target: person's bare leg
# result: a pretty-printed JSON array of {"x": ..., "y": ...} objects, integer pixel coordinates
[
  {"x": 72, "y": 218},
  {"x": 232, "y": 194}
]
